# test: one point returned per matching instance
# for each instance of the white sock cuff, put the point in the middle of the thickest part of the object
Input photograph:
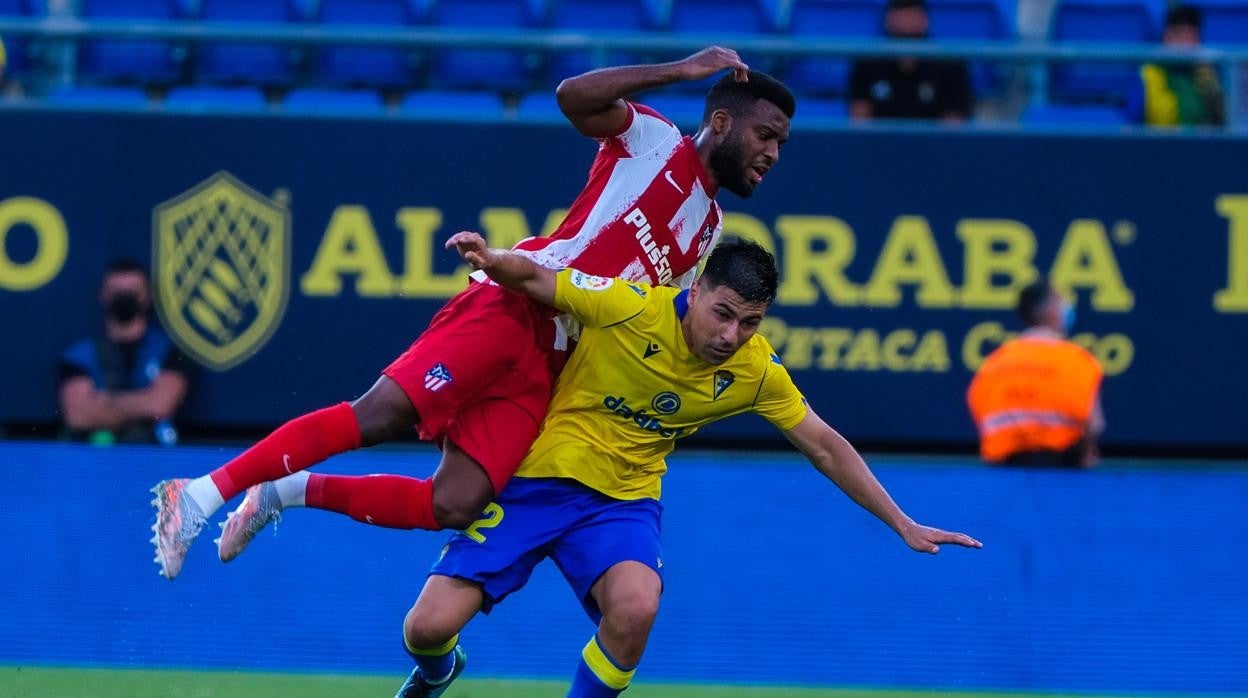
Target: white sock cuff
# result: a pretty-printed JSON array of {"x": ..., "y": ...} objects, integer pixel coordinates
[
  {"x": 292, "y": 490},
  {"x": 203, "y": 491}
]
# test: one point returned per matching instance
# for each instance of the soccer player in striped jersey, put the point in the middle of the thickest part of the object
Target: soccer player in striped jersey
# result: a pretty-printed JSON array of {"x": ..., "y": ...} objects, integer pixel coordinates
[
  {"x": 654, "y": 364},
  {"x": 490, "y": 356}
]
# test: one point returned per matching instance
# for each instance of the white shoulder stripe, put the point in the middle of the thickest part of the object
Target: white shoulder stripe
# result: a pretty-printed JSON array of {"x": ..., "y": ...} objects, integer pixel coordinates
[{"x": 646, "y": 134}]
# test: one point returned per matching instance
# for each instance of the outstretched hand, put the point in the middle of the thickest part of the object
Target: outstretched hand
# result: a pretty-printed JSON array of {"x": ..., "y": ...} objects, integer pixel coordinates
[
  {"x": 713, "y": 59},
  {"x": 472, "y": 247},
  {"x": 925, "y": 539}
]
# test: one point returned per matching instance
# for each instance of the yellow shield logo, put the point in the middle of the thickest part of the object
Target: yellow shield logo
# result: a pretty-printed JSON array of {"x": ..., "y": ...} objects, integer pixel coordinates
[{"x": 221, "y": 256}]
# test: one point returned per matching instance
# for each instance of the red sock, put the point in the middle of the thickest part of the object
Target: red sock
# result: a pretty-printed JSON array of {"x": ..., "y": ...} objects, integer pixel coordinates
[
  {"x": 300, "y": 443},
  {"x": 392, "y": 501}
]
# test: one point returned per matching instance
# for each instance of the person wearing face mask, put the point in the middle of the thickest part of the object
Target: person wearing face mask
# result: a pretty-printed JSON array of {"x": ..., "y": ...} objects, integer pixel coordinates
[
  {"x": 909, "y": 88},
  {"x": 1036, "y": 399},
  {"x": 125, "y": 384}
]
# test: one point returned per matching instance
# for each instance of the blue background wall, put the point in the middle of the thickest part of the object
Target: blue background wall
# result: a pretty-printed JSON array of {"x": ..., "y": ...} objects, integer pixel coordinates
[
  {"x": 1116, "y": 579},
  {"x": 1154, "y": 201}
]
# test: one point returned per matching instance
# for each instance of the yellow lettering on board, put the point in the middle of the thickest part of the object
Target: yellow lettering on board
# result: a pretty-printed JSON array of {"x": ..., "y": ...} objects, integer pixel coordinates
[
  {"x": 349, "y": 247},
  {"x": 51, "y": 243}
]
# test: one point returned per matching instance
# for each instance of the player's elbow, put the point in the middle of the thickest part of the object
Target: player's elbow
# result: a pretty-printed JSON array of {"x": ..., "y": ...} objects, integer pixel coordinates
[
  {"x": 567, "y": 96},
  {"x": 577, "y": 106}
]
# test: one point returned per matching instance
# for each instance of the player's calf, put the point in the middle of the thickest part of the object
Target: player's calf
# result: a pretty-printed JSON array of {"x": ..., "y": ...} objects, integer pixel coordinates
[{"x": 628, "y": 595}]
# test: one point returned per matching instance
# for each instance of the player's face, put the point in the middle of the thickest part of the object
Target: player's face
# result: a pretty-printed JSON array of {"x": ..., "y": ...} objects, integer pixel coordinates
[
  {"x": 719, "y": 322},
  {"x": 750, "y": 148}
]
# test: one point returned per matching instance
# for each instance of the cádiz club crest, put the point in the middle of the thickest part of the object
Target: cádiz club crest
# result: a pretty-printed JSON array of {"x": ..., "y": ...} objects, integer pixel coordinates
[{"x": 221, "y": 256}]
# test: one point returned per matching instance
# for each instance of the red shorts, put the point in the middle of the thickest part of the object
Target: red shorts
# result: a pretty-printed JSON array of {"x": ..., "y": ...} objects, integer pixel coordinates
[{"x": 481, "y": 375}]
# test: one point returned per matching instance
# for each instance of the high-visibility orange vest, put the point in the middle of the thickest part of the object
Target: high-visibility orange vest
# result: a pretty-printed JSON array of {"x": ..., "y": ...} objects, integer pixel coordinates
[{"x": 1033, "y": 394}]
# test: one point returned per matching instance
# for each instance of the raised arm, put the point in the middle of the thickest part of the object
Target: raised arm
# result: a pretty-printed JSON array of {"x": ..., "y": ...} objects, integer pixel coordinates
[
  {"x": 594, "y": 101},
  {"x": 833, "y": 456},
  {"x": 509, "y": 269}
]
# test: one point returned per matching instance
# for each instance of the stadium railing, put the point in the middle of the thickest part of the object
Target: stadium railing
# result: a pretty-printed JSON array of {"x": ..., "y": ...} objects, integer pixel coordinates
[{"x": 1036, "y": 55}]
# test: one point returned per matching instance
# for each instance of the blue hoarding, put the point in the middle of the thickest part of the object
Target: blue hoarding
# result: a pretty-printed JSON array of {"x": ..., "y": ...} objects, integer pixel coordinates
[
  {"x": 1126, "y": 582},
  {"x": 901, "y": 253}
]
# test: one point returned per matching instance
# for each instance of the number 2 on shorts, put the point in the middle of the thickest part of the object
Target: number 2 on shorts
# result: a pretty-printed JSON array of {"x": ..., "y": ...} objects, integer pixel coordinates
[{"x": 491, "y": 516}]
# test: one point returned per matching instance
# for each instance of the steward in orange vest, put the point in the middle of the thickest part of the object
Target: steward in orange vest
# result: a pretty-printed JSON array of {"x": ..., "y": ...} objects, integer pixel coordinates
[{"x": 1036, "y": 399}]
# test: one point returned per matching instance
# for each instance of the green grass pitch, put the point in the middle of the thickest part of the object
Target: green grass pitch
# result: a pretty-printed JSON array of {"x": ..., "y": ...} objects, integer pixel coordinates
[{"x": 43, "y": 682}]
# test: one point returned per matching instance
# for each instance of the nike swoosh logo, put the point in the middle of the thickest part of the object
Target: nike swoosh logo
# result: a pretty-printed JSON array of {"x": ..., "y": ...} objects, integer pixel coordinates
[
  {"x": 286, "y": 462},
  {"x": 672, "y": 181}
]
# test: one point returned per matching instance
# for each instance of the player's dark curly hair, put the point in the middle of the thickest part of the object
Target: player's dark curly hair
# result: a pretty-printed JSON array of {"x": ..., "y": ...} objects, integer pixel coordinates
[
  {"x": 737, "y": 97},
  {"x": 744, "y": 267},
  {"x": 1031, "y": 301}
]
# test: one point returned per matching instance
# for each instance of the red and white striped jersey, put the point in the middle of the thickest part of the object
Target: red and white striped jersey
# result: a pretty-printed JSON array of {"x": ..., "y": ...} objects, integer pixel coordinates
[{"x": 648, "y": 212}]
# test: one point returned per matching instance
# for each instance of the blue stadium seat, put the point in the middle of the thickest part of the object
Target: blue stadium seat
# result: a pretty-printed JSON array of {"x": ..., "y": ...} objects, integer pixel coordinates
[
  {"x": 540, "y": 107},
  {"x": 720, "y": 17},
  {"x": 813, "y": 109},
  {"x": 733, "y": 17},
  {"x": 315, "y": 100},
  {"x": 16, "y": 8},
  {"x": 1225, "y": 21},
  {"x": 970, "y": 19},
  {"x": 830, "y": 19},
  {"x": 129, "y": 60},
  {"x": 1073, "y": 115},
  {"x": 365, "y": 65},
  {"x": 266, "y": 64},
  {"x": 481, "y": 68},
  {"x": 1099, "y": 21},
  {"x": 16, "y": 48},
  {"x": 98, "y": 97},
  {"x": 204, "y": 98},
  {"x": 445, "y": 105},
  {"x": 684, "y": 110},
  {"x": 601, "y": 15},
  {"x": 986, "y": 20}
]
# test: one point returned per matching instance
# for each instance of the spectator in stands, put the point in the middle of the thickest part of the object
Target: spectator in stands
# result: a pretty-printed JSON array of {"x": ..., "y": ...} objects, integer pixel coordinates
[
  {"x": 1036, "y": 399},
  {"x": 909, "y": 88},
  {"x": 1179, "y": 94},
  {"x": 126, "y": 384}
]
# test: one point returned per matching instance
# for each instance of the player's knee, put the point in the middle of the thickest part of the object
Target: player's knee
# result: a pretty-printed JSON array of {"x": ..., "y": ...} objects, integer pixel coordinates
[
  {"x": 455, "y": 510},
  {"x": 632, "y": 612},
  {"x": 424, "y": 630}
]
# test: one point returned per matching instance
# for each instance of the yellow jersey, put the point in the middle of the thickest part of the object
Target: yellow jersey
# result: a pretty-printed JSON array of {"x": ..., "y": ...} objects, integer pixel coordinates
[{"x": 632, "y": 387}]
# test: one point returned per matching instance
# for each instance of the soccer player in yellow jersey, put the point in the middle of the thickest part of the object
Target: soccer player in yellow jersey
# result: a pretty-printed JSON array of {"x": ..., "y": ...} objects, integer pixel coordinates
[{"x": 653, "y": 365}]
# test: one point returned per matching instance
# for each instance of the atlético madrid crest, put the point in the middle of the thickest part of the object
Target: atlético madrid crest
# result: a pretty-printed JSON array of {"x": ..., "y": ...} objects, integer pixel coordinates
[{"x": 221, "y": 256}]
